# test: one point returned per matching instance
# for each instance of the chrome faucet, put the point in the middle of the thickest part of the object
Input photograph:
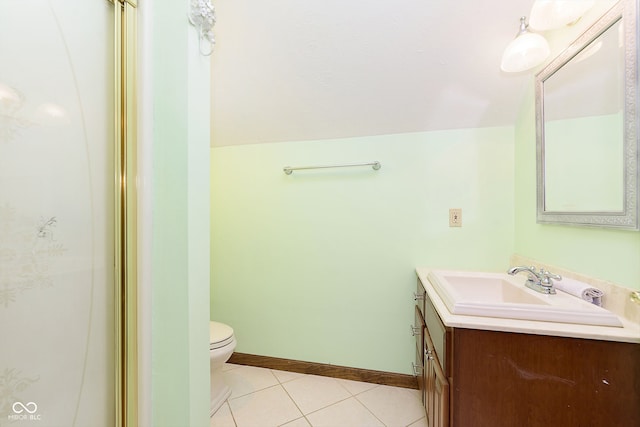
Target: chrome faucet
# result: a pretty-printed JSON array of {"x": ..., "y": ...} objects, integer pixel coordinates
[{"x": 540, "y": 281}]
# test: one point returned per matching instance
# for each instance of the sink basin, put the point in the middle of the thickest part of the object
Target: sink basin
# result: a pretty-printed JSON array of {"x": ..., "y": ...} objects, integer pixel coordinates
[{"x": 505, "y": 296}]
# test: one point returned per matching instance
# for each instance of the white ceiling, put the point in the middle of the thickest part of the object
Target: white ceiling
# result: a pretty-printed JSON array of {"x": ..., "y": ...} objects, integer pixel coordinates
[{"x": 294, "y": 70}]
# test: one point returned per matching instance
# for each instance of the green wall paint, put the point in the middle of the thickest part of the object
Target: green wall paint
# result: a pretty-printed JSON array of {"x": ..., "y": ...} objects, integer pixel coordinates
[
  {"x": 198, "y": 219},
  {"x": 180, "y": 247},
  {"x": 602, "y": 253},
  {"x": 319, "y": 265}
]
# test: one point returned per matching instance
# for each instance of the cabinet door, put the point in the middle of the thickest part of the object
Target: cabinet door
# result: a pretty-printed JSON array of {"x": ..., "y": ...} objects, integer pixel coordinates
[
  {"x": 438, "y": 333},
  {"x": 419, "y": 331},
  {"x": 436, "y": 386},
  {"x": 440, "y": 396},
  {"x": 429, "y": 387},
  {"x": 419, "y": 372}
]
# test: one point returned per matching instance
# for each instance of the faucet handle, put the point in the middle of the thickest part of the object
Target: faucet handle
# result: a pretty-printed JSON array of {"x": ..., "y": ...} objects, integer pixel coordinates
[{"x": 546, "y": 276}]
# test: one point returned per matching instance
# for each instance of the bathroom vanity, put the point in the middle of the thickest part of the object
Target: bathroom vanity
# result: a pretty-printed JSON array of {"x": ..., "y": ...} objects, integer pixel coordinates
[{"x": 484, "y": 371}]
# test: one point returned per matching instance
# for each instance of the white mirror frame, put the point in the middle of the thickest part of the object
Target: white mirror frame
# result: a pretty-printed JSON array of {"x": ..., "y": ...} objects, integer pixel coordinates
[{"x": 628, "y": 217}]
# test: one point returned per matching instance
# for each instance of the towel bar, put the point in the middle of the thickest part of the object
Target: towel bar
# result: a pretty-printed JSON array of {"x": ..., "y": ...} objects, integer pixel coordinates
[{"x": 289, "y": 169}]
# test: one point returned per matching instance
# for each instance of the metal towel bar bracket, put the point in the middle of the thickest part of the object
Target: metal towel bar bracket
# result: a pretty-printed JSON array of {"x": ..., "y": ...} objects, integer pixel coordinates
[{"x": 289, "y": 170}]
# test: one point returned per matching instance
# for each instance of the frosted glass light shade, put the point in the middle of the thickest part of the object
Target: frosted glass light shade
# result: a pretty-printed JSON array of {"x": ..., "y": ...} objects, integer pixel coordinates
[
  {"x": 552, "y": 14},
  {"x": 524, "y": 52}
]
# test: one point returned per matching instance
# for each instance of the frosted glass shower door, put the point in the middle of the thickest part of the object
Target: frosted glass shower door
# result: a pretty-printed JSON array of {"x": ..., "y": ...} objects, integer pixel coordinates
[{"x": 56, "y": 213}]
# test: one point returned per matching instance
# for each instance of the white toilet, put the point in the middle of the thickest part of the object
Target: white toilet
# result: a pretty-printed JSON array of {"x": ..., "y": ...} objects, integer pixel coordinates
[{"x": 222, "y": 343}]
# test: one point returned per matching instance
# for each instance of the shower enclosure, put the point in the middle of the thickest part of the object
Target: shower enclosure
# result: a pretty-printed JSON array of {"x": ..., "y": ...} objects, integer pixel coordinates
[{"x": 61, "y": 205}]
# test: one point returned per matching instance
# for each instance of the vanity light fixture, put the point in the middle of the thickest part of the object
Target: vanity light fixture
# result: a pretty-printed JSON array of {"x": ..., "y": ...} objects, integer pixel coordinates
[
  {"x": 525, "y": 51},
  {"x": 552, "y": 14}
]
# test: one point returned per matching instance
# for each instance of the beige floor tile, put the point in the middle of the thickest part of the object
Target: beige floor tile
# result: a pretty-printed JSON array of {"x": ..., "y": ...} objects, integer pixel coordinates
[
  {"x": 263, "y": 397},
  {"x": 264, "y": 408},
  {"x": 356, "y": 387},
  {"x": 285, "y": 376},
  {"x": 422, "y": 422},
  {"x": 347, "y": 413},
  {"x": 300, "y": 422},
  {"x": 416, "y": 393},
  {"x": 312, "y": 392},
  {"x": 394, "y": 406},
  {"x": 248, "y": 379},
  {"x": 228, "y": 366},
  {"x": 222, "y": 417}
]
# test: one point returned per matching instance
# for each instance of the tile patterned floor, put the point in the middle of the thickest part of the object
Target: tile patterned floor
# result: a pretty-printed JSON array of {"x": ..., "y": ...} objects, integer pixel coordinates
[{"x": 265, "y": 397}]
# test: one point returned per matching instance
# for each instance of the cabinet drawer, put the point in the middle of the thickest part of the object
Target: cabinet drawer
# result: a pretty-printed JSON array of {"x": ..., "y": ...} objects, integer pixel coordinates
[{"x": 420, "y": 296}]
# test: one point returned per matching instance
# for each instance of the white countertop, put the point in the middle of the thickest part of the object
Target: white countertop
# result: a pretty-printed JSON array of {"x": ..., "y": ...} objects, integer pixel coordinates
[{"x": 629, "y": 333}]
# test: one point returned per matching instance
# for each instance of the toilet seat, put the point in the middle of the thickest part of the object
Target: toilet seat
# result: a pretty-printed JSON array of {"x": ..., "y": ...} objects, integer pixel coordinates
[{"x": 220, "y": 335}]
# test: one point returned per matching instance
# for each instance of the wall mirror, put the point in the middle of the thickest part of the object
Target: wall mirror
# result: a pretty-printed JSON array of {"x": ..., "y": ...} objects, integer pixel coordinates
[{"x": 587, "y": 127}]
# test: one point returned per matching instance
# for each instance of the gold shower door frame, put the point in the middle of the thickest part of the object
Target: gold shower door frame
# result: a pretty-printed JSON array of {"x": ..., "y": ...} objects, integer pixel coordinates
[{"x": 126, "y": 381}]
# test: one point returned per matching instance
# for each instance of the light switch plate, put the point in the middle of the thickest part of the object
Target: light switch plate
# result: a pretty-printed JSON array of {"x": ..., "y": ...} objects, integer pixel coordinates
[{"x": 455, "y": 217}]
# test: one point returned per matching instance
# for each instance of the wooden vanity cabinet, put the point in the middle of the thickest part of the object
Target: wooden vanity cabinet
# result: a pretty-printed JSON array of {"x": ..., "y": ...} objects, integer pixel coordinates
[
  {"x": 490, "y": 378},
  {"x": 509, "y": 379}
]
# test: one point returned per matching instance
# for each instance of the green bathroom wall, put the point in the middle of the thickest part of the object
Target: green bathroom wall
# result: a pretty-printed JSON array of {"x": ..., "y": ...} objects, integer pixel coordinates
[
  {"x": 319, "y": 265},
  {"x": 602, "y": 253},
  {"x": 180, "y": 242}
]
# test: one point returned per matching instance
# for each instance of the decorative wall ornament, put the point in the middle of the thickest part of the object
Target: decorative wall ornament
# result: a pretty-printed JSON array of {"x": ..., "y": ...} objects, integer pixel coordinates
[
  {"x": 26, "y": 254},
  {"x": 202, "y": 16},
  {"x": 44, "y": 229}
]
